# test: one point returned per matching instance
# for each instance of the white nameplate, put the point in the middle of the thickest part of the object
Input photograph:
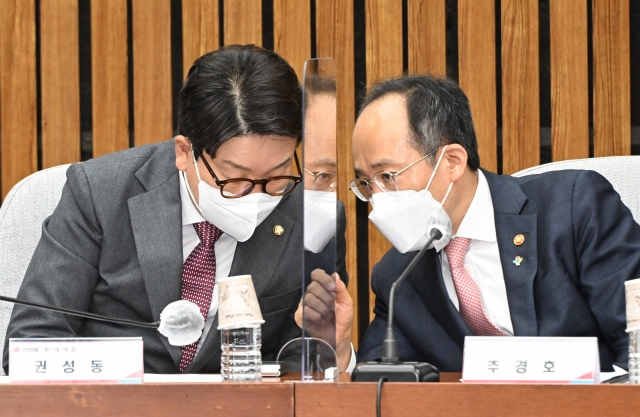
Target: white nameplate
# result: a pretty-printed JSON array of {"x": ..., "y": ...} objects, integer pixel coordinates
[
  {"x": 105, "y": 360},
  {"x": 538, "y": 360}
]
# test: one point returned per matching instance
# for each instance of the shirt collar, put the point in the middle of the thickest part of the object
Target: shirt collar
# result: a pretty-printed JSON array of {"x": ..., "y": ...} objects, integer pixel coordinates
[
  {"x": 479, "y": 222},
  {"x": 190, "y": 213}
]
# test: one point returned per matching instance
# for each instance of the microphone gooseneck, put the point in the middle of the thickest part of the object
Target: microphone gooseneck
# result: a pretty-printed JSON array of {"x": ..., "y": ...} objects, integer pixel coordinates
[
  {"x": 390, "y": 345},
  {"x": 93, "y": 316}
]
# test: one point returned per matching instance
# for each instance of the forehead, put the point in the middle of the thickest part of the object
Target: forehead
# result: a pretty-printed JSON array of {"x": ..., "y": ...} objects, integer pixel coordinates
[{"x": 383, "y": 126}]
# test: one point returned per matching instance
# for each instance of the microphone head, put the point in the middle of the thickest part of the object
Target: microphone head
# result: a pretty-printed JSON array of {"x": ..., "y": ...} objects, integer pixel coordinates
[
  {"x": 441, "y": 222},
  {"x": 181, "y": 322}
]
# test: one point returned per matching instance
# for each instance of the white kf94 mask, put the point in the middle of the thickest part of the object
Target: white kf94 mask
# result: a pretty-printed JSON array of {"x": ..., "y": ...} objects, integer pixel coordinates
[
  {"x": 406, "y": 218},
  {"x": 237, "y": 217}
]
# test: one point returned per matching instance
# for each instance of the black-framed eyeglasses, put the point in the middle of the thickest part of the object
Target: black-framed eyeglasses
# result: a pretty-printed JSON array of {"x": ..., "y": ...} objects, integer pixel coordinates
[
  {"x": 385, "y": 180},
  {"x": 239, "y": 187},
  {"x": 323, "y": 180}
]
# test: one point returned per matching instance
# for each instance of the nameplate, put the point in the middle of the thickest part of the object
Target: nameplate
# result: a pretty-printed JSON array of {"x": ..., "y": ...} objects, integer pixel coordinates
[
  {"x": 537, "y": 360},
  {"x": 76, "y": 360}
]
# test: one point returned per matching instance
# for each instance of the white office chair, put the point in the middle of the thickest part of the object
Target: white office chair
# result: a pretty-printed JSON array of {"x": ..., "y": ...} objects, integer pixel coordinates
[
  {"x": 623, "y": 172},
  {"x": 21, "y": 215}
]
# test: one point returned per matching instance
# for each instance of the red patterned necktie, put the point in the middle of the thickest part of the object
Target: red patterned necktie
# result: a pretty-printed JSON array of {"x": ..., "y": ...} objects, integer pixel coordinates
[
  {"x": 198, "y": 278},
  {"x": 469, "y": 298}
]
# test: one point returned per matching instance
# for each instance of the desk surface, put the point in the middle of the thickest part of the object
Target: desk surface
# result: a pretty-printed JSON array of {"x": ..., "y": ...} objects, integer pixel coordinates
[{"x": 290, "y": 398}]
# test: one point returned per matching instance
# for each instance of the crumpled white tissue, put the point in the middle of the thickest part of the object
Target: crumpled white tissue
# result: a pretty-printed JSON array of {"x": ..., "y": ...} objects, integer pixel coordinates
[{"x": 181, "y": 322}]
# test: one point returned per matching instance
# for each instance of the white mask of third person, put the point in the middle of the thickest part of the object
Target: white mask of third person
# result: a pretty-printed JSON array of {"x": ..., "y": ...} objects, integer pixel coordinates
[
  {"x": 406, "y": 218},
  {"x": 237, "y": 217},
  {"x": 319, "y": 219}
]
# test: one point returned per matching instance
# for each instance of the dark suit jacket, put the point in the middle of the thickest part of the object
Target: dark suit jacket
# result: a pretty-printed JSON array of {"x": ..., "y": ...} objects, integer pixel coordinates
[
  {"x": 581, "y": 244},
  {"x": 113, "y": 246}
]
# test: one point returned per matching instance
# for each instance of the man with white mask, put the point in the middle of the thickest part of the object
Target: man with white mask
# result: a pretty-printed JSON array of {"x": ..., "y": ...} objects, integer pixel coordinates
[
  {"x": 541, "y": 255},
  {"x": 139, "y": 229}
]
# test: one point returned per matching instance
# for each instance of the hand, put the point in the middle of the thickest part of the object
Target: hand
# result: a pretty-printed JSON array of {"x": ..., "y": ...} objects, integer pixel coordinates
[{"x": 328, "y": 313}]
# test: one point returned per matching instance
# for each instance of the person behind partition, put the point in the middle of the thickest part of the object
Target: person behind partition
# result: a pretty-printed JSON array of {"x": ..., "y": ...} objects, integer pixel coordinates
[
  {"x": 539, "y": 255},
  {"x": 139, "y": 229}
]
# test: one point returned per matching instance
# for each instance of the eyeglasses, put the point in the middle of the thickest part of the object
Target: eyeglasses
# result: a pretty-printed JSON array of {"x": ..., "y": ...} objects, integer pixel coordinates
[
  {"x": 239, "y": 187},
  {"x": 385, "y": 180},
  {"x": 323, "y": 180}
]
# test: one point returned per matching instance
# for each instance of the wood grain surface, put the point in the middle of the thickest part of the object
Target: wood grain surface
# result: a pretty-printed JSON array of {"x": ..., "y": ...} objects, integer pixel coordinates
[
  {"x": 477, "y": 72},
  {"x": 18, "y": 97},
  {"x": 520, "y": 85},
  {"x": 242, "y": 22},
  {"x": 569, "y": 80},
  {"x": 109, "y": 76},
  {"x": 427, "y": 37},
  {"x": 152, "y": 101},
  {"x": 611, "y": 78},
  {"x": 200, "y": 30},
  {"x": 60, "y": 75},
  {"x": 289, "y": 17},
  {"x": 149, "y": 400}
]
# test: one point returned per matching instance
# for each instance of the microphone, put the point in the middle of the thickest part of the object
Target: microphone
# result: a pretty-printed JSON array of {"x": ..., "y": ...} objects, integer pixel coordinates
[
  {"x": 390, "y": 366},
  {"x": 181, "y": 321}
]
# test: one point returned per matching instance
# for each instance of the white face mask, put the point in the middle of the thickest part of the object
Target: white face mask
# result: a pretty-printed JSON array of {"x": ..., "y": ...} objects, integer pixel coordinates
[
  {"x": 406, "y": 218},
  {"x": 319, "y": 219},
  {"x": 237, "y": 217}
]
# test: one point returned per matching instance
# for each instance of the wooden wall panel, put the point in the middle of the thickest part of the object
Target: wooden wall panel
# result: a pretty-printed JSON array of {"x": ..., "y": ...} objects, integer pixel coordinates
[
  {"x": 289, "y": 17},
  {"x": 200, "y": 30},
  {"x": 427, "y": 37},
  {"x": 569, "y": 80},
  {"x": 109, "y": 76},
  {"x": 153, "y": 119},
  {"x": 60, "y": 75},
  {"x": 520, "y": 85},
  {"x": 242, "y": 22},
  {"x": 477, "y": 72},
  {"x": 611, "y": 78},
  {"x": 18, "y": 115},
  {"x": 384, "y": 60},
  {"x": 334, "y": 37}
]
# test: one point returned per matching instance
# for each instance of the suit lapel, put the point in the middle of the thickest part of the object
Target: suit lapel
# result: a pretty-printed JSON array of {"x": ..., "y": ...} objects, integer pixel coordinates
[
  {"x": 508, "y": 202},
  {"x": 429, "y": 284},
  {"x": 258, "y": 257},
  {"x": 156, "y": 219}
]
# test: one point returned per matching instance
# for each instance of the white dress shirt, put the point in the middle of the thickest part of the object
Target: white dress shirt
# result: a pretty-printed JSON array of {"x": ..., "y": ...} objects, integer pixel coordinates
[
  {"x": 225, "y": 248},
  {"x": 482, "y": 260}
]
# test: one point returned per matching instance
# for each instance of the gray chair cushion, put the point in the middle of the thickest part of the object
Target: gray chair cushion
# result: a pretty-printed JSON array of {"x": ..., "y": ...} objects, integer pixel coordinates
[
  {"x": 623, "y": 172},
  {"x": 21, "y": 215}
]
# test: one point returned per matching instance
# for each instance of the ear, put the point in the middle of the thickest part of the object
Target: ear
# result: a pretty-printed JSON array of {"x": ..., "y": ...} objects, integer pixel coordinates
[
  {"x": 183, "y": 152},
  {"x": 455, "y": 161}
]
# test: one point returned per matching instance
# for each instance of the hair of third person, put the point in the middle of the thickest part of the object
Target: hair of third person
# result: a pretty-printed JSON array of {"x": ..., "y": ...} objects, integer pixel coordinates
[
  {"x": 239, "y": 90},
  {"x": 438, "y": 112}
]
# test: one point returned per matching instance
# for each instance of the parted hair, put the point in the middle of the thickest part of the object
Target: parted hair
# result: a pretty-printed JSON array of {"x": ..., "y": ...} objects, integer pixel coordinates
[{"x": 239, "y": 90}]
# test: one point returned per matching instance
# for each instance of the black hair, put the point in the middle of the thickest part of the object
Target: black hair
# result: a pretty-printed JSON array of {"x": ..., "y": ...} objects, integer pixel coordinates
[
  {"x": 438, "y": 112},
  {"x": 239, "y": 90}
]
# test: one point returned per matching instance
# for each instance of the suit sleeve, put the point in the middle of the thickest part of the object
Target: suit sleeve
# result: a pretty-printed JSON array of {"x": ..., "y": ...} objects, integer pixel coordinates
[
  {"x": 607, "y": 241},
  {"x": 64, "y": 268}
]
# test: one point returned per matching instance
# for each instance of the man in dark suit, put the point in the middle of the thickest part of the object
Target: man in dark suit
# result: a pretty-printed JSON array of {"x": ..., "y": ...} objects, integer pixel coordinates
[
  {"x": 220, "y": 196},
  {"x": 541, "y": 255}
]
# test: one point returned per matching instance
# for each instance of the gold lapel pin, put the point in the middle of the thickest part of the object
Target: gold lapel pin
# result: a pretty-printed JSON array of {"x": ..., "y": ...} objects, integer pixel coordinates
[
  {"x": 278, "y": 230},
  {"x": 518, "y": 240}
]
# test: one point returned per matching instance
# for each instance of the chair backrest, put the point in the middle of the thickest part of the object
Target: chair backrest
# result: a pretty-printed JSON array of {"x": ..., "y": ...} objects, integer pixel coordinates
[
  {"x": 27, "y": 205},
  {"x": 623, "y": 172}
]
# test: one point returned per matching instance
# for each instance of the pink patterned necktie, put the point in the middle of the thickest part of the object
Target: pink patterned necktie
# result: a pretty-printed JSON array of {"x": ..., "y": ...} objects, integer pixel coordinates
[
  {"x": 198, "y": 278},
  {"x": 469, "y": 298}
]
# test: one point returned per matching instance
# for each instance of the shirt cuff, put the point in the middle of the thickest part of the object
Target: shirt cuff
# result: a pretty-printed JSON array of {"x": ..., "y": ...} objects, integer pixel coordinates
[{"x": 352, "y": 361}]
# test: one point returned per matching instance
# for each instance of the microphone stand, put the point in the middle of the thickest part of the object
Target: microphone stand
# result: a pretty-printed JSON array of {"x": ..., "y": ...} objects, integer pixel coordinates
[
  {"x": 390, "y": 366},
  {"x": 93, "y": 316}
]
